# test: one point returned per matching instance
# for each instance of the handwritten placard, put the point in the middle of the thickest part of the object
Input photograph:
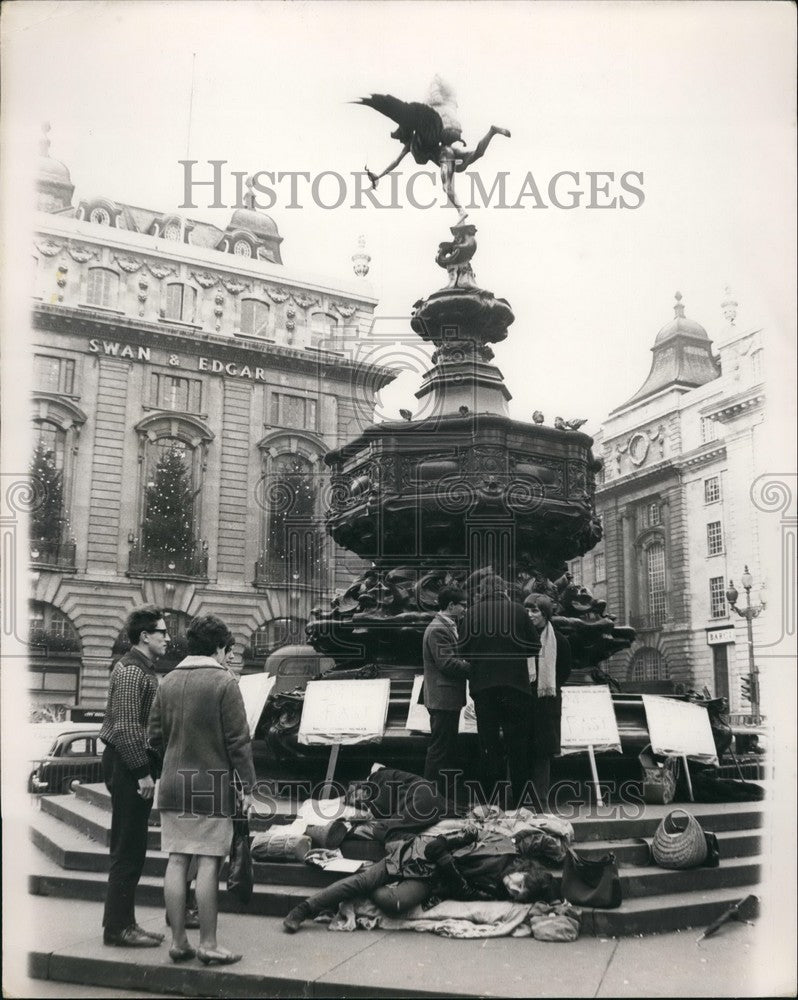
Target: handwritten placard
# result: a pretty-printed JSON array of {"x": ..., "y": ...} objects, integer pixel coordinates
[
  {"x": 588, "y": 719},
  {"x": 255, "y": 689},
  {"x": 344, "y": 712},
  {"x": 679, "y": 727},
  {"x": 418, "y": 716}
]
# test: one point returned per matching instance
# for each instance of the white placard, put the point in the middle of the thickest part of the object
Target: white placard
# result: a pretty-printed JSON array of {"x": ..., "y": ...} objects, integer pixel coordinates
[
  {"x": 418, "y": 716},
  {"x": 679, "y": 727},
  {"x": 255, "y": 689},
  {"x": 344, "y": 712},
  {"x": 588, "y": 719}
]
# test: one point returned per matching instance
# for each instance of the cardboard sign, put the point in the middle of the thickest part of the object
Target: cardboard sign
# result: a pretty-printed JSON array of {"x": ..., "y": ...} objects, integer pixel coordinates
[
  {"x": 255, "y": 689},
  {"x": 418, "y": 716},
  {"x": 588, "y": 719},
  {"x": 344, "y": 712},
  {"x": 679, "y": 727}
]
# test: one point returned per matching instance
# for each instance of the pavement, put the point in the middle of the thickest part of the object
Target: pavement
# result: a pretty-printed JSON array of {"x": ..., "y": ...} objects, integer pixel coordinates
[{"x": 65, "y": 935}]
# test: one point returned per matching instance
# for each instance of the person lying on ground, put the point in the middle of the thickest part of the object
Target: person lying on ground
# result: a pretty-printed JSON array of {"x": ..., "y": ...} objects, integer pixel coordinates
[
  {"x": 466, "y": 865},
  {"x": 400, "y": 802}
]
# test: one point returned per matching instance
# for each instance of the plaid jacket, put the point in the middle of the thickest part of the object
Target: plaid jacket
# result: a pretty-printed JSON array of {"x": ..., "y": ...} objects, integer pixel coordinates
[{"x": 130, "y": 696}]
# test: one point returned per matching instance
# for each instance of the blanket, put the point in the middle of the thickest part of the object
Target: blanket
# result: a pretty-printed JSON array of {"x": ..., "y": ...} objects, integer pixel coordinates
[{"x": 457, "y": 919}]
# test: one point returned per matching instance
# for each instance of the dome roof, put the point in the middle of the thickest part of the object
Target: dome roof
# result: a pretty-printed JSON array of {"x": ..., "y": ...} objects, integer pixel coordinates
[
  {"x": 51, "y": 171},
  {"x": 681, "y": 325},
  {"x": 254, "y": 222}
]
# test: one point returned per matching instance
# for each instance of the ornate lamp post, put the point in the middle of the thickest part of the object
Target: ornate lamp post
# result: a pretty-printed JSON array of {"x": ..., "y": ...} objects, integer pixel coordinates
[{"x": 749, "y": 612}]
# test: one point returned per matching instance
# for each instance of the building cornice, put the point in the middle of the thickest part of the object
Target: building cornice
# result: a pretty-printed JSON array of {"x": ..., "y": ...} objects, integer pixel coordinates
[
  {"x": 143, "y": 333},
  {"x": 707, "y": 453},
  {"x": 86, "y": 238},
  {"x": 641, "y": 477},
  {"x": 730, "y": 407}
]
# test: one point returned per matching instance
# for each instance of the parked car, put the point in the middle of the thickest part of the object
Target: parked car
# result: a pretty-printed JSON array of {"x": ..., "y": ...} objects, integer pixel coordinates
[{"x": 75, "y": 754}]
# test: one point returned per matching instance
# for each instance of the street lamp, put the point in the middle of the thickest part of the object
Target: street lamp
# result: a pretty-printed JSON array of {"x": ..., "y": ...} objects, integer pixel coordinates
[{"x": 749, "y": 612}]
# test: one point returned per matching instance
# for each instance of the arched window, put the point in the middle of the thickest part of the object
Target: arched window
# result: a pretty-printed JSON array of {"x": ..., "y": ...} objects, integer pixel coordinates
[
  {"x": 168, "y": 535},
  {"x": 294, "y": 536},
  {"x": 181, "y": 302},
  {"x": 54, "y": 651},
  {"x": 323, "y": 330},
  {"x": 103, "y": 287},
  {"x": 51, "y": 440},
  {"x": 254, "y": 318},
  {"x": 648, "y": 664},
  {"x": 655, "y": 574}
]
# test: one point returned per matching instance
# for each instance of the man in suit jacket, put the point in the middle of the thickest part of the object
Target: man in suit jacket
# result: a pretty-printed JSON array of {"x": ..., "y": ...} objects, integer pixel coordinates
[
  {"x": 445, "y": 676},
  {"x": 497, "y": 638}
]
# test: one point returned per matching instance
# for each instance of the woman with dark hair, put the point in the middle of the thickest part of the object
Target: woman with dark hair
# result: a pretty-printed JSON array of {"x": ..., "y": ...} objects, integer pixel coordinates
[
  {"x": 199, "y": 720},
  {"x": 552, "y": 668}
]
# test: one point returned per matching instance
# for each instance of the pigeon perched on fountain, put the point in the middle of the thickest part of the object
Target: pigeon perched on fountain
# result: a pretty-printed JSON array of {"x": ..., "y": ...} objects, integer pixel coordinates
[
  {"x": 405, "y": 414},
  {"x": 574, "y": 425},
  {"x": 538, "y": 417},
  {"x": 559, "y": 423},
  {"x": 463, "y": 411}
]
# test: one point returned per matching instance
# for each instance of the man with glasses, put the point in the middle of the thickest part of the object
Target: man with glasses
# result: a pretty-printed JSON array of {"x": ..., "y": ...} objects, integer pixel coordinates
[
  {"x": 130, "y": 769},
  {"x": 444, "y": 691}
]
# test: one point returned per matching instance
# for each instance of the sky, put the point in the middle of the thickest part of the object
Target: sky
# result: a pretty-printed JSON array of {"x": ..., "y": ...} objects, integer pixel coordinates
[{"x": 699, "y": 98}]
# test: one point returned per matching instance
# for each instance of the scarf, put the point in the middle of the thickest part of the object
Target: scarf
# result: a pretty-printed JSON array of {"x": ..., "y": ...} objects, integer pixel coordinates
[{"x": 547, "y": 663}]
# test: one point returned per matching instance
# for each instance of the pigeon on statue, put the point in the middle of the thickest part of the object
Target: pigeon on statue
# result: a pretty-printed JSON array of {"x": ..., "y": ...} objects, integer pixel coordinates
[
  {"x": 405, "y": 414},
  {"x": 538, "y": 417},
  {"x": 559, "y": 423},
  {"x": 574, "y": 425}
]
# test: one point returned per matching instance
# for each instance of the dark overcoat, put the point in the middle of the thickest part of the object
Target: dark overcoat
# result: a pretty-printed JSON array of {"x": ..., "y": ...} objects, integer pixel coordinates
[{"x": 444, "y": 671}]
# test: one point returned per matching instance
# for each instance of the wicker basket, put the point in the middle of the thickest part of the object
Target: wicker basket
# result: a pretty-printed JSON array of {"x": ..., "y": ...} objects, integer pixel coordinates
[{"x": 679, "y": 841}]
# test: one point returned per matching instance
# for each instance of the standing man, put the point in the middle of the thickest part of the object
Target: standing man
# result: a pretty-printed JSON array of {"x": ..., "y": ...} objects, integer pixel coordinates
[
  {"x": 497, "y": 638},
  {"x": 129, "y": 769},
  {"x": 445, "y": 676},
  {"x": 552, "y": 670}
]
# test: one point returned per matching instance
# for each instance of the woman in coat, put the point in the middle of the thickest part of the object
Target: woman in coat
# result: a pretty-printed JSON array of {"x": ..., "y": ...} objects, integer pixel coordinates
[
  {"x": 199, "y": 723},
  {"x": 552, "y": 670}
]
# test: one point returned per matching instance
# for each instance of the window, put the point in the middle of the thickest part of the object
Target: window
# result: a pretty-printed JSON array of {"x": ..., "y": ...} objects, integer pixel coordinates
[
  {"x": 654, "y": 514},
  {"x": 52, "y": 443},
  {"x": 52, "y": 374},
  {"x": 101, "y": 216},
  {"x": 82, "y": 747},
  {"x": 103, "y": 287},
  {"x": 242, "y": 248},
  {"x": 575, "y": 569},
  {"x": 293, "y": 411},
  {"x": 599, "y": 573},
  {"x": 712, "y": 489},
  {"x": 170, "y": 392},
  {"x": 655, "y": 572},
  {"x": 324, "y": 328},
  {"x": 717, "y": 597},
  {"x": 648, "y": 665},
  {"x": 254, "y": 317},
  {"x": 181, "y": 302},
  {"x": 709, "y": 429},
  {"x": 294, "y": 550},
  {"x": 714, "y": 538}
]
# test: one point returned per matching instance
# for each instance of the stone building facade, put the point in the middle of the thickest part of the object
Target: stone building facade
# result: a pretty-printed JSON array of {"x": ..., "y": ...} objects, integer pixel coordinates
[
  {"x": 164, "y": 347},
  {"x": 682, "y": 457}
]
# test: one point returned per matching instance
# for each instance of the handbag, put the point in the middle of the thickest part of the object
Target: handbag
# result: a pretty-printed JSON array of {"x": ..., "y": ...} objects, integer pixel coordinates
[
  {"x": 240, "y": 873},
  {"x": 591, "y": 881},
  {"x": 713, "y": 850},
  {"x": 679, "y": 842}
]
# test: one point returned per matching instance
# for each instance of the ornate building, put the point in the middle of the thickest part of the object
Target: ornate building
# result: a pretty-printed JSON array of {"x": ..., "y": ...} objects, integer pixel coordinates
[
  {"x": 186, "y": 387},
  {"x": 681, "y": 460}
]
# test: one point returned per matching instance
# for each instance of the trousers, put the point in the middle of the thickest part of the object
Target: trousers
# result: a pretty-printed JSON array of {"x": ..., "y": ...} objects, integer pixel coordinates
[
  {"x": 504, "y": 712},
  {"x": 442, "y": 749},
  {"x": 362, "y": 883},
  {"x": 129, "y": 816}
]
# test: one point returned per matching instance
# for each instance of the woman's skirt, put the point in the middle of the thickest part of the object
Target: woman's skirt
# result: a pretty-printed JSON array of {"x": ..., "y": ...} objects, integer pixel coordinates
[{"x": 203, "y": 835}]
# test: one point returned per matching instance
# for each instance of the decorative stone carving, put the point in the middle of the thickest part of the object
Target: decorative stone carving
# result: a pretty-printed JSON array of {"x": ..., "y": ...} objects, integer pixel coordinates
[
  {"x": 345, "y": 311},
  {"x": 204, "y": 279},
  {"x": 128, "y": 264},
  {"x": 80, "y": 253},
  {"x": 303, "y": 301},
  {"x": 235, "y": 287},
  {"x": 49, "y": 247},
  {"x": 159, "y": 271},
  {"x": 275, "y": 295},
  {"x": 456, "y": 255}
]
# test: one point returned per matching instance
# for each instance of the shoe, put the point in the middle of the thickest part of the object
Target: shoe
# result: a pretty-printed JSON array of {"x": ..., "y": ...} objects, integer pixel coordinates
[
  {"x": 130, "y": 937},
  {"x": 190, "y": 922},
  {"x": 153, "y": 934},
  {"x": 294, "y": 919},
  {"x": 208, "y": 957},
  {"x": 182, "y": 954}
]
